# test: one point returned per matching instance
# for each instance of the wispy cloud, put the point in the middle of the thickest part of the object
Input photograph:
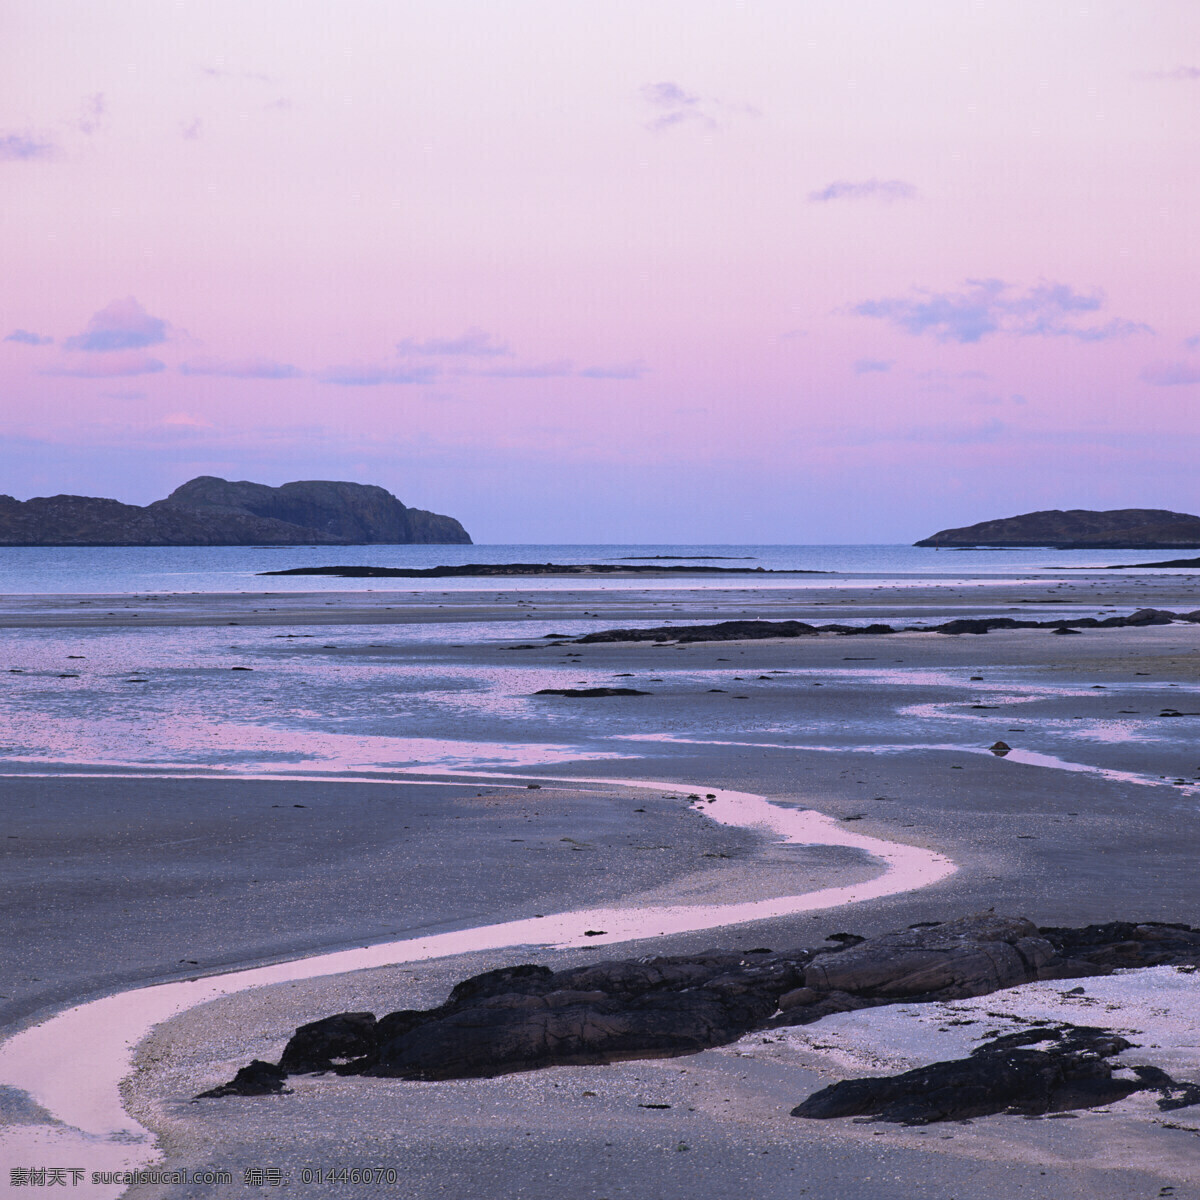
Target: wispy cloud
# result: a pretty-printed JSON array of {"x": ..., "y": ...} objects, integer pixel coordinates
[
  {"x": 887, "y": 190},
  {"x": 974, "y": 433},
  {"x": 676, "y": 106},
  {"x": 190, "y": 130},
  {"x": 865, "y": 366},
  {"x": 1193, "y": 342},
  {"x": 121, "y": 325},
  {"x": 546, "y": 370},
  {"x": 111, "y": 366},
  {"x": 1171, "y": 374},
  {"x": 474, "y": 342},
  {"x": 1176, "y": 74},
  {"x": 241, "y": 368},
  {"x": 24, "y": 147},
  {"x": 91, "y": 116},
  {"x": 616, "y": 371},
  {"x": 226, "y": 73},
  {"x": 374, "y": 376},
  {"x": 25, "y": 338},
  {"x": 988, "y": 306}
]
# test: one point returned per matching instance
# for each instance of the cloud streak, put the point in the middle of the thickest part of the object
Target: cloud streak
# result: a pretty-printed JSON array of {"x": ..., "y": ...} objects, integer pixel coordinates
[
  {"x": 887, "y": 190},
  {"x": 1179, "y": 74},
  {"x": 109, "y": 367},
  {"x": 24, "y": 338},
  {"x": 374, "y": 375},
  {"x": 25, "y": 147},
  {"x": 242, "y": 368},
  {"x": 546, "y": 370},
  {"x": 984, "y": 307},
  {"x": 1171, "y": 374},
  {"x": 474, "y": 342}
]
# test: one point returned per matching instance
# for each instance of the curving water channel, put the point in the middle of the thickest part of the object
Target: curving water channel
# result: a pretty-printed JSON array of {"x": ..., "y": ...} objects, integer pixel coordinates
[{"x": 82, "y": 1121}]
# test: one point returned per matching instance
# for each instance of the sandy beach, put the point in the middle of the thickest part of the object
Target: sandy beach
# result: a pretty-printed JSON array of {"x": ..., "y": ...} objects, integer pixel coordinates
[{"x": 366, "y": 782}]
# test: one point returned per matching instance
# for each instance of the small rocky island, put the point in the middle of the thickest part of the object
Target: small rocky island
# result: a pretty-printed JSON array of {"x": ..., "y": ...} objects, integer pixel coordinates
[
  {"x": 208, "y": 511},
  {"x": 1078, "y": 529}
]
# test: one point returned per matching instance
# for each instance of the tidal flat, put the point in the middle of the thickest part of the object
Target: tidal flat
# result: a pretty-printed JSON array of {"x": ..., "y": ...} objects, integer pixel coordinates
[{"x": 197, "y": 785}]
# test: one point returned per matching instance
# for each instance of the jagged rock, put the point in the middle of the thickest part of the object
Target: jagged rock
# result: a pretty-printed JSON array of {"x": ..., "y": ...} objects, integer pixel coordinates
[
  {"x": 1123, "y": 944},
  {"x": 257, "y": 1079},
  {"x": 968, "y": 957},
  {"x": 1002, "y": 1075},
  {"x": 523, "y": 1017},
  {"x": 316, "y": 1046}
]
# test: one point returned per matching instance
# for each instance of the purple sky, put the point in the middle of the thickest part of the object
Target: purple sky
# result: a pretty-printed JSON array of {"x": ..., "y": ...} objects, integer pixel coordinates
[{"x": 623, "y": 270}]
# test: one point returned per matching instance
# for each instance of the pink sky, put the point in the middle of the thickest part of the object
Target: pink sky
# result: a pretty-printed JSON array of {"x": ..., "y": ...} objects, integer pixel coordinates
[{"x": 608, "y": 271}]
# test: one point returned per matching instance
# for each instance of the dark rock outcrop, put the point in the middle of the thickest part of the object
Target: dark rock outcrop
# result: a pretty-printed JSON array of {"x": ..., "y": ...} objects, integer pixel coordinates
[
  {"x": 591, "y": 692},
  {"x": 723, "y": 631},
  {"x": 946, "y": 961},
  {"x": 472, "y": 570},
  {"x": 258, "y": 1078},
  {"x": 1079, "y": 529},
  {"x": 1003, "y": 1075},
  {"x": 731, "y": 631},
  {"x": 214, "y": 512},
  {"x": 524, "y": 1017}
]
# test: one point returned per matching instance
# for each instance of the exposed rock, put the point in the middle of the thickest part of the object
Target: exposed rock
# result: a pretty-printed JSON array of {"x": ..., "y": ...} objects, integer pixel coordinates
[
  {"x": 471, "y": 570},
  {"x": 723, "y": 631},
  {"x": 1002, "y": 1075},
  {"x": 523, "y": 1017},
  {"x": 1079, "y": 528},
  {"x": 322, "y": 1044},
  {"x": 948, "y": 961},
  {"x": 590, "y": 692},
  {"x": 215, "y": 512},
  {"x": 257, "y": 1079},
  {"x": 1170, "y": 562}
]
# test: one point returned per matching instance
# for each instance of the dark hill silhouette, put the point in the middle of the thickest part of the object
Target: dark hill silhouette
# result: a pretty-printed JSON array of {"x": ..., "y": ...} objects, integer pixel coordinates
[
  {"x": 1079, "y": 529},
  {"x": 207, "y": 511}
]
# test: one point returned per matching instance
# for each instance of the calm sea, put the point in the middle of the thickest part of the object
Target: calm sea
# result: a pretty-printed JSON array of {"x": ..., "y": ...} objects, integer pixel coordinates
[{"x": 157, "y": 569}]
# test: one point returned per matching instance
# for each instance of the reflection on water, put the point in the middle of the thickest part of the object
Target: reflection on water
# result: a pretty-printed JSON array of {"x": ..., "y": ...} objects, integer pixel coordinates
[{"x": 357, "y": 697}]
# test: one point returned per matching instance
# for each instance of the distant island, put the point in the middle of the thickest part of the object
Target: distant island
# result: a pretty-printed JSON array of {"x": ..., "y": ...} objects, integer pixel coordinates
[
  {"x": 1079, "y": 529},
  {"x": 208, "y": 511}
]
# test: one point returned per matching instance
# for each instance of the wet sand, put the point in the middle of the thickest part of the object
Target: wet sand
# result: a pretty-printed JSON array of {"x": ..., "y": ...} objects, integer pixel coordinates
[{"x": 1061, "y": 846}]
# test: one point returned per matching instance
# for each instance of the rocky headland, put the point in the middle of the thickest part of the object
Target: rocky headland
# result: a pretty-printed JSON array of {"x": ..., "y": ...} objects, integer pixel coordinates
[
  {"x": 208, "y": 511},
  {"x": 1078, "y": 529}
]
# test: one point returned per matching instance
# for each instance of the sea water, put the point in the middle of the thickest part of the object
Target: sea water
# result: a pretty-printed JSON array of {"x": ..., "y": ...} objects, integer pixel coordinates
[{"x": 108, "y": 570}]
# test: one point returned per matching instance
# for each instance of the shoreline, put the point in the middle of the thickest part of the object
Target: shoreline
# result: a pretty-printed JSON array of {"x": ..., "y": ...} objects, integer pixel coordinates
[
  {"x": 32, "y": 1060},
  {"x": 891, "y": 732}
]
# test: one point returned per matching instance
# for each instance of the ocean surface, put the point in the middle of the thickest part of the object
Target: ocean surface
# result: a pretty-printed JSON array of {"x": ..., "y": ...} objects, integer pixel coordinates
[{"x": 108, "y": 570}]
